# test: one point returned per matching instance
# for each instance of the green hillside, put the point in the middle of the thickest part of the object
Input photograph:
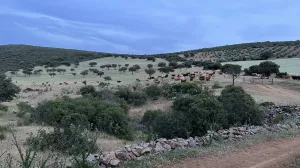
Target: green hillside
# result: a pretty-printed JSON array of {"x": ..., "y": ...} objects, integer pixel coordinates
[{"x": 15, "y": 57}]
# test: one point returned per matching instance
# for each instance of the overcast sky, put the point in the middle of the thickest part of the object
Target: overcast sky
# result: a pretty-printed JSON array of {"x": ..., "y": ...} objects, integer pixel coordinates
[{"x": 152, "y": 26}]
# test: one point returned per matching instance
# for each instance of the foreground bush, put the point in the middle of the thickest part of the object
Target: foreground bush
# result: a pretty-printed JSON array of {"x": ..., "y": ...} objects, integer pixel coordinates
[
  {"x": 101, "y": 115},
  {"x": 175, "y": 90},
  {"x": 153, "y": 91},
  {"x": 240, "y": 107},
  {"x": 136, "y": 98},
  {"x": 3, "y": 107}
]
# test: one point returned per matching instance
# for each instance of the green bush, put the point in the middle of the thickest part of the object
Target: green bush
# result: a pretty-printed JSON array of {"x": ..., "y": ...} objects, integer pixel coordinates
[
  {"x": 150, "y": 118},
  {"x": 101, "y": 115},
  {"x": 88, "y": 90},
  {"x": 137, "y": 98},
  {"x": 240, "y": 107},
  {"x": 178, "y": 89},
  {"x": 267, "y": 104},
  {"x": 153, "y": 91},
  {"x": 72, "y": 141},
  {"x": 287, "y": 109},
  {"x": 3, "y": 107},
  {"x": 24, "y": 108}
]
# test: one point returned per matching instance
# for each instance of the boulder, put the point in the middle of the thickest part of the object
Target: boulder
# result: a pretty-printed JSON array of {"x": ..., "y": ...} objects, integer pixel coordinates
[
  {"x": 122, "y": 155},
  {"x": 192, "y": 142},
  {"x": 146, "y": 150},
  {"x": 106, "y": 157},
  {"x": 114, "y": 162},
  {"x": 137, "y": 151},
  {"x": 159, "y": 148}
]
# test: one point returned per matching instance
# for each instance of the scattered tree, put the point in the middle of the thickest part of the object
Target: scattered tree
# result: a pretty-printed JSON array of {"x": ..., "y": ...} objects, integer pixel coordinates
[
  {"x": 233, "y": 70},
  {"x": 107, "y": 78},
  {"x": 123, "y": 69},
  {"x": 266, "y": 55},
  {"x": 132, "y": 69},
  {"x": 162, "y": 64},
  {"x": 92, "y": 64},
  {"x": 74, "y": 74},
  {"x": 150, "y": 71},
  {"x": 114, "y": 66},
  {"x": 173, "y": 64},
  {"x": 267, "y": 68},
  {"x": 137, "y": 67},
  {"x": 100, "y": 73},
  {"x": 166, "y": 70},
  {"x": 150, "y": 65},
  {"x": 84, "y": 73},
  {"x": 126, "y": 65}
]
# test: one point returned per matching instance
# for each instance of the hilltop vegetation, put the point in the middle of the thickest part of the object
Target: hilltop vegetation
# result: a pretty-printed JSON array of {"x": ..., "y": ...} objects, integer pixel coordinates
[{"x": 24, "y": 56}]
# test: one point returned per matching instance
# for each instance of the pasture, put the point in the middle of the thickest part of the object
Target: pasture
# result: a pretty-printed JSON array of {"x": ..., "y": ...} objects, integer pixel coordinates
[{"x": 291, "y": 65}]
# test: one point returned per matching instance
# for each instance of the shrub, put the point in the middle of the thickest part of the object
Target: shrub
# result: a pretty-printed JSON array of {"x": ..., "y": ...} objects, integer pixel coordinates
[
  {"x": 73, "y": 141},
  {"x": 267, "y": 104},
  {"x": 3, "y": 107},
  {"x": 153, "y": 91},
  {"x": 24, "y": 108},
  {"x": 200, "y": 113},
  {"x": 240, "y": 107},
  {"x": 109, "y": 117},
  {"x": 287, "y": 109},
  {"x": 137, "y": 98},
  {"x": 88, "y": 90},
  {"x": 178, "y": 89},
  {"x": 150, "y": 118},
  {"x": 217, "y": 85}
]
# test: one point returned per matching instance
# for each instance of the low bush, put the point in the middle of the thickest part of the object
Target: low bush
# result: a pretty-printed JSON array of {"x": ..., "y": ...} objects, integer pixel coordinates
[
  {"x": 24, "y": 109},
  {"x": 150, "y": 118},
  {"x": 101, "y": 115},
  {"x": 240, "y": 107},
  {"x": 178, "y": 89},
  {"x": 153, "y": 91},
  {"x": 3, "y": 108},
  {"x": 267, "y": 104},
  {"x": 88, "y": 90},
  {"x": 72, "y": 141},
  {"x": 137, "y": 98}
]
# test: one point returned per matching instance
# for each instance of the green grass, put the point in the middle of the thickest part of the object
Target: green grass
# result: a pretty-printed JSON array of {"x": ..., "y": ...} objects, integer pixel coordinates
[{"x": 217, "y": 148}]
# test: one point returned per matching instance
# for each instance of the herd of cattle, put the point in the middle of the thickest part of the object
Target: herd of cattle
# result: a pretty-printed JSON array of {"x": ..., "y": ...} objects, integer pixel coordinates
[{"x": 203, "y": 76}]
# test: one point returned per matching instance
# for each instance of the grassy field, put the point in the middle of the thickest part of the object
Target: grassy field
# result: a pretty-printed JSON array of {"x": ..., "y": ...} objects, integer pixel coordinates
[{"x": 291, "y": 66}]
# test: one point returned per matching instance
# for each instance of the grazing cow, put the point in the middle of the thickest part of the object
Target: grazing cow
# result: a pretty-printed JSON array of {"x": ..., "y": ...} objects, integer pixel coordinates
[
  {"x": 75, "y": 82},
  {"x": 118, "y": 81},
  {"x": 157, "y": 82},
  {"x": 152, "y": 77},
  {"x": 191, "y": 79},
  {"x": 201, "y": 77},
  {"x": 173, "y": 74},
  {"x": 98, "y": 81},
  {"x": 185, "y": 75},
  {"x": 159, "y": 77},
  {"x": 208, "y": 78},
  {"x": 183, "y": 80},
  {"x": 60, "y": 83},
  {"x": 172, "y": 77},
  {"x": 295, "y": 77},
  {"x": 49, "y": 85},
  {"x": 147, "y": 80},
  {"x": 166, "y": 76},
  {"x": 66, "y": 83}
]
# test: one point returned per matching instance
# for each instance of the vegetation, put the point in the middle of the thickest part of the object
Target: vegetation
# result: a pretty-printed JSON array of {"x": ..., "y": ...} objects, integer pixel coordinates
[
  {"x": 233, "y": 70},
  {"x": 25, "y": 56},
  {"x": 194, "y": 114},
  {"x": 267, "y": 68},
  {"x": 7, "y": 89},
  {"x": 150, "y": 71},
  {"x": 108, "y": 117}
]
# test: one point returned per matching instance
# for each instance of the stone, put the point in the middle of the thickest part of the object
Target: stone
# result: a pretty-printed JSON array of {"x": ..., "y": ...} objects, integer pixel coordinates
[
  {"x": 93, "y": 158},
  {"x": 161, "y": 140},
  {"x": 166, "y": 146},
  {"x": 128, "y": 148},
  {"x": 192, "y": 142},
  {"x": 114, "y": 162},
  {"x": 122, "y": 155},
  {"x": 106, "y": 157},
  {"x": 132, "y": 156},
  {"x": 159, "y": 148},
  {"x": 146, "y": 150},
  {"x": 136, "y": 152}
]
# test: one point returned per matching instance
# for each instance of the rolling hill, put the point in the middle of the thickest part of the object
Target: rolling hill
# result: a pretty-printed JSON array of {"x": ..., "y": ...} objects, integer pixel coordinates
[{"x": 14, "y": 57}]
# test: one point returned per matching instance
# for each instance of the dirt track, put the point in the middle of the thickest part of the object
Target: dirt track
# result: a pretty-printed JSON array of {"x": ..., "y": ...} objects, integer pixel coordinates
[{"x": 271, "y": 154}]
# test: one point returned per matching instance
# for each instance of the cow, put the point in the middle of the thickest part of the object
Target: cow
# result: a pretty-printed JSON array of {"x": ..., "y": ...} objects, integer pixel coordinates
[
  {"x": 166, "y": 76},
  {"x": 60, "y": 83},
  {"x": 183, "y": 80},
  {"x": 157, "y": 82},
  {"x": 118, "y": 81},
  {"x": 75, "y": 82}
]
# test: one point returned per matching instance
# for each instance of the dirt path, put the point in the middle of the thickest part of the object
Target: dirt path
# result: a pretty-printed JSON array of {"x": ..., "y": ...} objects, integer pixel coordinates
[{"x": 271, "y": 154}]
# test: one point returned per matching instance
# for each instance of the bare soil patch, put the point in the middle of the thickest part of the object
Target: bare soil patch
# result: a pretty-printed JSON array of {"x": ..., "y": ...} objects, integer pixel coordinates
[{"x": 270, "y": 154}]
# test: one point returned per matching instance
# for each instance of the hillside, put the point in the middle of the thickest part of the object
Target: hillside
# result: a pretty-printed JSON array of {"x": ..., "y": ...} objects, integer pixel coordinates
[{"x": 15, "y": 57}]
